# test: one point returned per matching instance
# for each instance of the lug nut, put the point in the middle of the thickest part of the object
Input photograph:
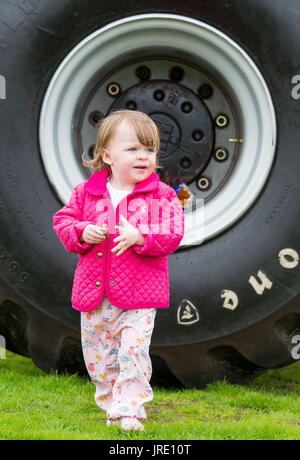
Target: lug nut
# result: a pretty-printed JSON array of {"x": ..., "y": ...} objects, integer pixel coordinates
[
  {"x": 159, "y": 95},
  {"x": 176, "y": 74},
  {"x": 222, "y": 121},
  {"x": 185, "y": 163},
  {"x": 91, "y": 151},
  {"x": 131, "y": 105},
  {"x": 205, "y": 91},
  {"x": 198, "y": 135},
  {"x": 221, "y": 154},
  {"x": 203, "y": 183},
  {"x": 113, "y": 89},
  {"x": 187, "y": 107},
  {"x": 143, "y": 72},
  {"x": 95, "y": 117}
]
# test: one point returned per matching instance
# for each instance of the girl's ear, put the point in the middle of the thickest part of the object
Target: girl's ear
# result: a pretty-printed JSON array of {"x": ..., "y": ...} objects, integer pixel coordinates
[{"x": 106, "y": 157}]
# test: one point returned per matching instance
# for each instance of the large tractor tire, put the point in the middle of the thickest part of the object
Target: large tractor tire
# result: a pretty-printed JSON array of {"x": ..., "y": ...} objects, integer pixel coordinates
[{"x": 220, "y": 80}]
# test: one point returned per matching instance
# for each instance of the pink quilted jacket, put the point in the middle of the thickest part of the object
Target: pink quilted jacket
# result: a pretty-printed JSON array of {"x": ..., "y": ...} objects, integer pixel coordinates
[{"x": 139, "y": 277}]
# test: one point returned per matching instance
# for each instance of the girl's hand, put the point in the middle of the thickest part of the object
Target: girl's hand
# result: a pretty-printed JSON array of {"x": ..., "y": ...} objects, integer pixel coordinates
[
  {"x": 93, "y": 234},
  {"x": 129, "y": 235}
]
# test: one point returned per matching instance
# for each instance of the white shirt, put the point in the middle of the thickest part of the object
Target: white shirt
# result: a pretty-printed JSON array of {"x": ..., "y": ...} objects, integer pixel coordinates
[{"x": 117, "y": 195}]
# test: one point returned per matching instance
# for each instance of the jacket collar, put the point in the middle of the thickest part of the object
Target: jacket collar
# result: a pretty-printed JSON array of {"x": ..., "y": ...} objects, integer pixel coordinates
[{"x": 96, "y": 184}]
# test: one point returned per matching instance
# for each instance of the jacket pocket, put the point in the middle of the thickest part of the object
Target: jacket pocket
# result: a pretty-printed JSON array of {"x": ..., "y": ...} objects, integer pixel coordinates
[{"x": 152, "y": 281}]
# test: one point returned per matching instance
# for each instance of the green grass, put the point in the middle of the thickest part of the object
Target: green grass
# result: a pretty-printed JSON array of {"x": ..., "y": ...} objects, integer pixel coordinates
[{"x": 35, "y": 405}]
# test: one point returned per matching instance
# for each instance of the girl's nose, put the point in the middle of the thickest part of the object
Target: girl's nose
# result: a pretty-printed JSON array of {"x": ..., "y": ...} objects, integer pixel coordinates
[{"x": 142, "y": 154}]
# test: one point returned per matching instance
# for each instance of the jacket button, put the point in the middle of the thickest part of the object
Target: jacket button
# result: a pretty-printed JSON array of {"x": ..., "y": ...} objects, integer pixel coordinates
[
  {"x": 112, "y": 282},
  {"x": 97, "y": 283},
  {"x": 99, "y": 254}
]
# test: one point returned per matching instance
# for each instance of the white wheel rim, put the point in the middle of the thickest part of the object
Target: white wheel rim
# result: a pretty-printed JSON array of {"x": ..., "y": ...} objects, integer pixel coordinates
[{"x": 168, "y": 32}]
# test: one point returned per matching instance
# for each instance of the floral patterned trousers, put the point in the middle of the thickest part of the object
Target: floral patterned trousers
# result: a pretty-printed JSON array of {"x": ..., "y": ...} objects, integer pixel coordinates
[{"x": 115, "y": 344}]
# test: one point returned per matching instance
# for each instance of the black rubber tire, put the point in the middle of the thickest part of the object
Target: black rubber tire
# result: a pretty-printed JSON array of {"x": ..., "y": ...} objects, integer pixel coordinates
[{"x": 36, "y": 317}]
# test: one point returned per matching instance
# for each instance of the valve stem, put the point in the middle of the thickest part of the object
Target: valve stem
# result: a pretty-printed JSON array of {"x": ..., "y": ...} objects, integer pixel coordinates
[{"x": 240, "y": 141}]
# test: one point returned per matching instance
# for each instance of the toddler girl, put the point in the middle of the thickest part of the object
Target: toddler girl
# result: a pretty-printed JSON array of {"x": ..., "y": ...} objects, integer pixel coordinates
[{"x": 123, "y": 222}]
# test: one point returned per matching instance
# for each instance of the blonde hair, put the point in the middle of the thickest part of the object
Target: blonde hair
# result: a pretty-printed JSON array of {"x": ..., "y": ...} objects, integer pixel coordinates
[{"x": 146, "y": 131}]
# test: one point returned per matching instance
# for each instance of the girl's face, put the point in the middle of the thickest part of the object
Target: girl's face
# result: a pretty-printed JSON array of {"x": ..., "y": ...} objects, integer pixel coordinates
[{"x": 130, "y": 161}]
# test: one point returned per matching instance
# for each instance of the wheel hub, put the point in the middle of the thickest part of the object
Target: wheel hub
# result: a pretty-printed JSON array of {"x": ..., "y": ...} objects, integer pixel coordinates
[
  {"x": 184, "y": 75},
  {"x": 185, "y": 125}
]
